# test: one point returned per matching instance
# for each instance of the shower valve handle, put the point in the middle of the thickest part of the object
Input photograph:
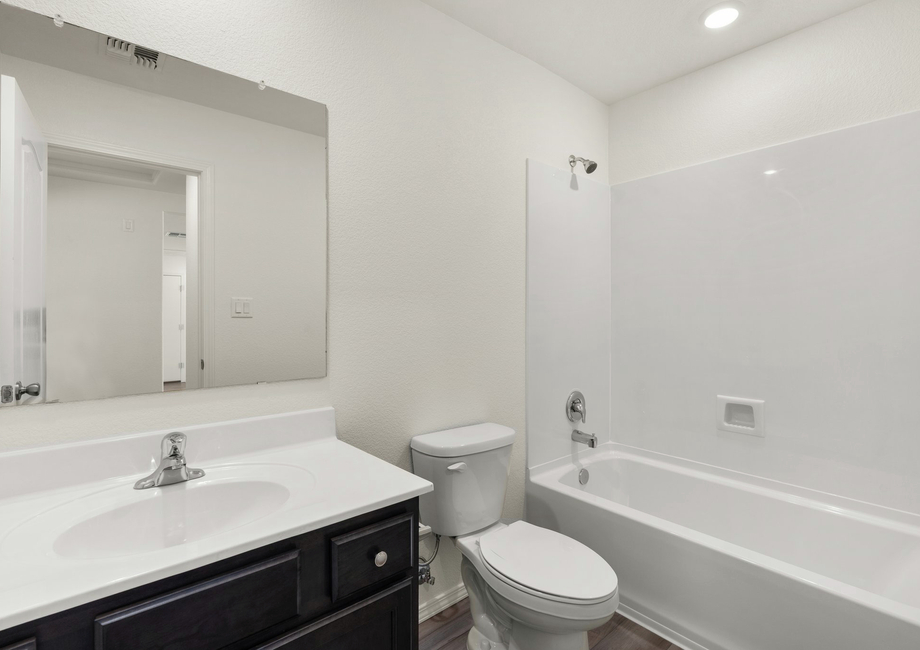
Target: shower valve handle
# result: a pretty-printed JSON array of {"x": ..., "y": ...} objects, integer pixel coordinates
[{"x": 576, "y": 409}]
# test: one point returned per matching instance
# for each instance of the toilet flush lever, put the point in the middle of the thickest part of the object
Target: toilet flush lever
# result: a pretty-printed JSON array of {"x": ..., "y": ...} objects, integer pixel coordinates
[
  {"x": 576, "y": 408},
  {"x": 456, "y": 467}
]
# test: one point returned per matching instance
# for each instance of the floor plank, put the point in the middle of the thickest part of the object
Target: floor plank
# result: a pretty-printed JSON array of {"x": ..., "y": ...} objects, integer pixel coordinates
[
  {"x": 439, "y": 631},
  {"x": 628, "y": 635},
  {"x": 448, "y": 630}
]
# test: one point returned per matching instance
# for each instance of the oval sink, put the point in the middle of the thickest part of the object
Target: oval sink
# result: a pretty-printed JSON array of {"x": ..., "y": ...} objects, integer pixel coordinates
[
  {"x": 177, "y": 515},
  {"x": 119, "y": 521}
]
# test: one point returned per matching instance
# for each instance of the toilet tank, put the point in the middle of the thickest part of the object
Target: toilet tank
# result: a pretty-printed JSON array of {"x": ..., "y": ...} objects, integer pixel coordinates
[{"x": 469, "y": 469}]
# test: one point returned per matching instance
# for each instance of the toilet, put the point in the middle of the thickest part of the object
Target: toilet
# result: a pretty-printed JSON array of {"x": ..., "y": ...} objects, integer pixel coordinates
[{"x": 530, "y": 588}]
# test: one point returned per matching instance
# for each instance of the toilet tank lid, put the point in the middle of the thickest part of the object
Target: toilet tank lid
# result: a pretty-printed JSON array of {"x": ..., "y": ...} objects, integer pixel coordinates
[{"x": 464, "y": 441}]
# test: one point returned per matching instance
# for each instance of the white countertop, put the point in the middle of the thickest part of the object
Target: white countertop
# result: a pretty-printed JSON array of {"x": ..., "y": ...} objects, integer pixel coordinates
[{"x": 46, "y": 491}]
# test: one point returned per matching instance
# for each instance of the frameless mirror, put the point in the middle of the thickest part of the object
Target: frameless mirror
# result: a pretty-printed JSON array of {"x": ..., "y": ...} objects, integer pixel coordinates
[{"x": 162, "y": 224}]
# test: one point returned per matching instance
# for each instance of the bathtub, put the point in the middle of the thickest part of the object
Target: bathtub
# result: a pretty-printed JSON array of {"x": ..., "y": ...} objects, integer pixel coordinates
[{"x": 717, "y": 560}]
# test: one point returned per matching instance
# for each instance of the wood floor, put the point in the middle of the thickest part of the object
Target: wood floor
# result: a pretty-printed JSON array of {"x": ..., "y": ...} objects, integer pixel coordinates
[{"x": 447, "y": 631}]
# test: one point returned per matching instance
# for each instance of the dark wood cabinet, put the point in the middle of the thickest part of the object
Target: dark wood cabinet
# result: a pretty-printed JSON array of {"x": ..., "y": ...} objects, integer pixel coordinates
[
  {"x": 367, "y": 556},
  {"x": 382, "y": 622},
  {"x": 208, "y": 615},
  {"x": 327, "y": 589},
  {"x": 28, "y": 644}
]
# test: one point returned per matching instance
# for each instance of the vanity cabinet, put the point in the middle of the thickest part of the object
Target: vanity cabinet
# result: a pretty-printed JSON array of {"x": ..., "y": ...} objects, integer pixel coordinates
[
  {"x": 382, "y": 622},
  {"x": 28, "y": 644},
  {"x": 347, "y": 586}
]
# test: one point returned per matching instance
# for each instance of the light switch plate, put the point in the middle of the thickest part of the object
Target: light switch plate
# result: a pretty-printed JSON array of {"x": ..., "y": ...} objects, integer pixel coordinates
[{"x": 241, "y": 308}]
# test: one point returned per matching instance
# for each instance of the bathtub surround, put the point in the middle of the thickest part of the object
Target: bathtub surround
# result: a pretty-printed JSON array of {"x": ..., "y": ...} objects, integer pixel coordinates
[
  {"x": 794, "y": 287},
  {"x": 426, "y": 222}
]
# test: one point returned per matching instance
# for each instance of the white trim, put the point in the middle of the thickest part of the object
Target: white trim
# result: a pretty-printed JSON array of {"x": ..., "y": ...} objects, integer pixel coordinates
[
  {"x": 439, "y": 603},
  {"x": 663, "y": 631},
  {"x": 202, "y": 312}
]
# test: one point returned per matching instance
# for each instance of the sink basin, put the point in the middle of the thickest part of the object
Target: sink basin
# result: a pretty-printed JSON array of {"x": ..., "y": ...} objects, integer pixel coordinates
[
  {"x": 120, "y": 521},
  {"x": 177, "y": 516}
]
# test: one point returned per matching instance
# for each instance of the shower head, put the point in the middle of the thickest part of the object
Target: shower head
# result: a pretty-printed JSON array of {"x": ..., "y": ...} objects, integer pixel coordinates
[{"x": 590, "y": 165}]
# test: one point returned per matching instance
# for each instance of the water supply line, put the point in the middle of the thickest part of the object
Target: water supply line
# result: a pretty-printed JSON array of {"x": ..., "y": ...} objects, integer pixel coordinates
[{"x": 424, "y": 566}]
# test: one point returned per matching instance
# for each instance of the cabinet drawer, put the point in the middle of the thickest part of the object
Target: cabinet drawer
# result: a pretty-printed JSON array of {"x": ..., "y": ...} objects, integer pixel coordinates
[
  {"x": 369, "y": 555},
  {"x": 28, "y": 644},
  {"x": 210, "y": 614},
  {"x": 384, "y": 621}
]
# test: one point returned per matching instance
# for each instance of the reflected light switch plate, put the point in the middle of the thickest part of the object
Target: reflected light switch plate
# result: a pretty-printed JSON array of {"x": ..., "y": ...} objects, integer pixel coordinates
[{"x": 241, "y": 308}]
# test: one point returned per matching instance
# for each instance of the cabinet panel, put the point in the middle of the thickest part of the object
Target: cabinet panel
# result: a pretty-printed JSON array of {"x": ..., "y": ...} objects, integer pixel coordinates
[
  {"x": 29, "y": 644},
  {"x": 208, "y": 615},
  {"x": 371, "y": 554},
  {"x": 386, "y": 621}
]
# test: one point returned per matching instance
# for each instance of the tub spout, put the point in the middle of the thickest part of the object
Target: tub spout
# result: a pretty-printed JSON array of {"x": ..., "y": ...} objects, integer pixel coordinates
[{"x": 585, "y": 438}]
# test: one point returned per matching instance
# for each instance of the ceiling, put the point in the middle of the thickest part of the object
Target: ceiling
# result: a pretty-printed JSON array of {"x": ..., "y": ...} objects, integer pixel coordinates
[{"x": 616, "y": 48}]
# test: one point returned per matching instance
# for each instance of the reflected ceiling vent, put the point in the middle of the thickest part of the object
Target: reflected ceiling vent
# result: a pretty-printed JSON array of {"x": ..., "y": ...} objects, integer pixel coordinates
[{"x": 131, "y": 53}]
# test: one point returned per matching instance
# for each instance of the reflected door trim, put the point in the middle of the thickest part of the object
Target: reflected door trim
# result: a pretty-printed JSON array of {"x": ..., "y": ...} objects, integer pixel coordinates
[{"x": 200, "y": 248}]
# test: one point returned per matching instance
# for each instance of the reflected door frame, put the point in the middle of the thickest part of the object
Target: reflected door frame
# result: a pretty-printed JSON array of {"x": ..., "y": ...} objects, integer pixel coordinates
[{"x": 199, "y": 249}]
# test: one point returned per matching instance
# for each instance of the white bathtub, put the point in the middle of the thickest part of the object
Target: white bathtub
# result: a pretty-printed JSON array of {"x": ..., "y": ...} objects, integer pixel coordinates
[{"x": 723, "y": 561}]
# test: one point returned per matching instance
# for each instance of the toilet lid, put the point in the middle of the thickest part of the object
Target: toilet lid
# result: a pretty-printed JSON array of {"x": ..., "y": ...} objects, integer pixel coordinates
[{"x": 548, "y": 562}]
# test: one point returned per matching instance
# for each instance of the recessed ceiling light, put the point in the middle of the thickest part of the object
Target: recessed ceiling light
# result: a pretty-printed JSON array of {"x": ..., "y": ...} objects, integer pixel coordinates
[
  {"x": 770, "y": 172},
  {"x": 720, "y": 16}
]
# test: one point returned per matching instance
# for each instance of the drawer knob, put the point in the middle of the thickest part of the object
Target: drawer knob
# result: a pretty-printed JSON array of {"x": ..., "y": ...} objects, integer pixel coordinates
[{"x": 381, "y": 558}]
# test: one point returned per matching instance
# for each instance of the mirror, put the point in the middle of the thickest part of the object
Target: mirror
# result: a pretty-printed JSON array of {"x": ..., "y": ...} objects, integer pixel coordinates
[{"x": 162, "y": 224}]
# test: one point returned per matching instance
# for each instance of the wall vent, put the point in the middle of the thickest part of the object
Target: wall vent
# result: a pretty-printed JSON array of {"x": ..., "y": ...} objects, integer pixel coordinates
[
  {"x": 130, "y": 53},
  {"x": 145, "y": 57}
]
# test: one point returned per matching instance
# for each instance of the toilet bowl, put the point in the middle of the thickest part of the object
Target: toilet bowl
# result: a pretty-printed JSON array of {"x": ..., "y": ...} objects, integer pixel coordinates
[{"x": 530, "y": 588}]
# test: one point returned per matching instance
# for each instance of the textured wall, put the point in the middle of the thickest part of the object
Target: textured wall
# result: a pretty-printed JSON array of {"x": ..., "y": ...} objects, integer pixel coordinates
[
  {"x": 429, "y": 127},
  {"x": 860, "y": 66}
]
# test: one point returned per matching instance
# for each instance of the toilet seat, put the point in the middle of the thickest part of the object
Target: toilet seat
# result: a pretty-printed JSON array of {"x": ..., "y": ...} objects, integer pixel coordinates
[{"x": 547, "y": 564}]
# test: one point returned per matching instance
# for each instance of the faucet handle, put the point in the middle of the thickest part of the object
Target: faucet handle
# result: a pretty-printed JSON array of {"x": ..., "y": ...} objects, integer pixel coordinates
[
  {"x": 576, "y": 408},
  {"x": 173, "y": 445}
]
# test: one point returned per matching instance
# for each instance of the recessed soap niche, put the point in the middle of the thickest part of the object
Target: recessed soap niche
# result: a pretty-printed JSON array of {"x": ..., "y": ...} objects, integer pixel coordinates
[{"x": 740, "y": 415}]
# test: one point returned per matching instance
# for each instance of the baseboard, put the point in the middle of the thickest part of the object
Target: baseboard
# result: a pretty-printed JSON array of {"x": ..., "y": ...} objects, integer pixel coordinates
[
  {"x": 663, "y": 631},
  {"x": 440, "y": 603}
]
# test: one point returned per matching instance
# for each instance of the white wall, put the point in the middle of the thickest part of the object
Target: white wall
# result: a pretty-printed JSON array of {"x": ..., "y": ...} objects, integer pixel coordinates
[
  {"x": 568, "y": 308},
  {"x": 104, "y": 288},
  {"x": 857, "y": 67},
  {"x": 775, "y": 291},
  {"x": 430, "y": 125},
  {"x": 269, "y": 211}
]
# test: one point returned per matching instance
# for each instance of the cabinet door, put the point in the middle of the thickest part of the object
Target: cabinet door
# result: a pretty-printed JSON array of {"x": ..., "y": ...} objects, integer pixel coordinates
[
  {"x": 25, "y": 645},
  {"x": 384, "y": 621}
]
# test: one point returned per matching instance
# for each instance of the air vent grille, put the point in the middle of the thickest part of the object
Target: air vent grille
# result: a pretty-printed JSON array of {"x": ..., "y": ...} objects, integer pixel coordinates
[
  {"x": 131, "y": 53},
  {"x": 118, "y": 47},
  {"x": 145, "y": 57}
]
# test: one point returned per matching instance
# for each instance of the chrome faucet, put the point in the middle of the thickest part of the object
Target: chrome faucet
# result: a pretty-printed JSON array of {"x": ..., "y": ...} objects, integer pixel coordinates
[
  {"x": 585, "y": 438},
  {"x": 172, "y": 467}
]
